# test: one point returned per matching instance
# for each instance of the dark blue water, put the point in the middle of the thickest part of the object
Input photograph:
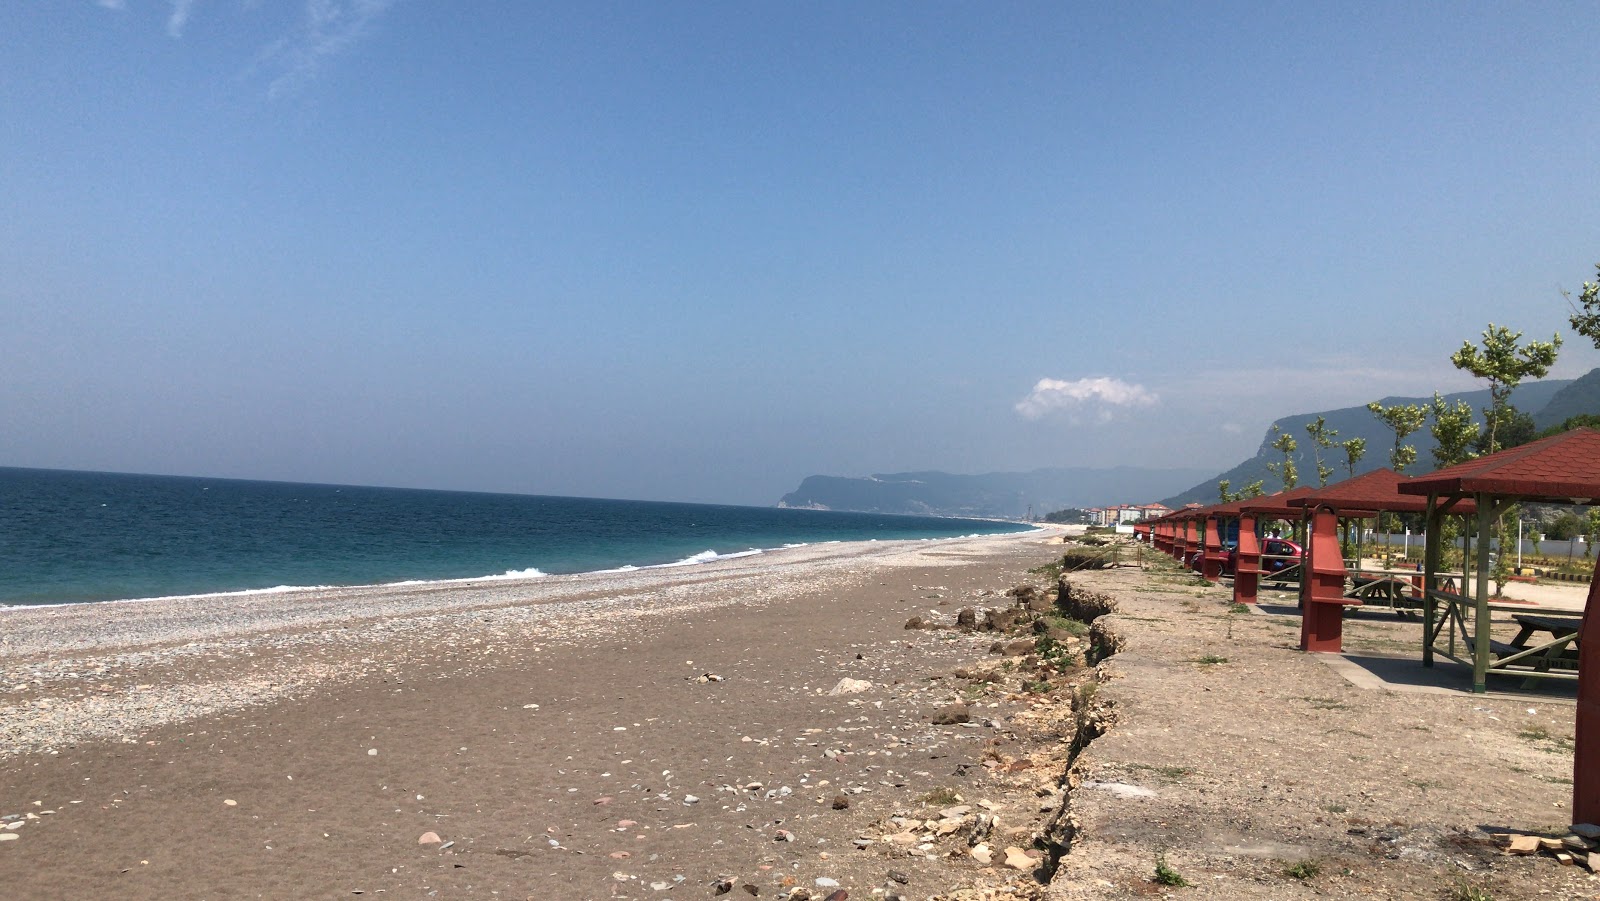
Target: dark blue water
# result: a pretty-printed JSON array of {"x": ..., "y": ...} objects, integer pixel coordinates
[{"x": 76, "y": 536}]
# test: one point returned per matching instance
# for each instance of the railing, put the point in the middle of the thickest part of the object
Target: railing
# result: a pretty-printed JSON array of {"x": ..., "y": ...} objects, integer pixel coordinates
[{"x": 1539, "y": 661}]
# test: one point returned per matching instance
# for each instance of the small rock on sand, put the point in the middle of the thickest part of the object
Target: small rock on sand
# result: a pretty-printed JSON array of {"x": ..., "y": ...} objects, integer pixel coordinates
[
  {"x": 1018, "y": 859},
  {"x": 848, "y": 686}
]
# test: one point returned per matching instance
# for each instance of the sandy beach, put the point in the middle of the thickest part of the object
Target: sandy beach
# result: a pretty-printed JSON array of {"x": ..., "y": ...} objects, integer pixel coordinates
[
  {"x": 765, "y": 727},
  {"x": 601, "y": 736}
]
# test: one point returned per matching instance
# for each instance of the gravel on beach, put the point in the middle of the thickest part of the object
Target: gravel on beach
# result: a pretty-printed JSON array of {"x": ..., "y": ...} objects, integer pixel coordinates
[{"x": 764, "y": 719}]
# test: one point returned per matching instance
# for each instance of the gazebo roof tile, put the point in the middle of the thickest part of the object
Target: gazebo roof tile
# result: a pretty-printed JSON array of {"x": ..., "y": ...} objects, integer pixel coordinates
[
  {"x": 1370, "y": 493},
  {"x": 1564, "y": 467}
]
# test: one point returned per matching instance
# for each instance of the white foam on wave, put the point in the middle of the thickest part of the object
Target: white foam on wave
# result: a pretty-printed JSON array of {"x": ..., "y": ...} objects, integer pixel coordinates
[
  {"x": 529, "y": 573},
  {"x": 246, "y": 592},
  {"x": 707, "y": 557}
]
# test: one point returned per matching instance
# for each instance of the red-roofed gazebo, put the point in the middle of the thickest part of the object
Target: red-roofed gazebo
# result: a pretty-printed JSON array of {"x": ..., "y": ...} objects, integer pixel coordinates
[{"x": 1564, "y": 468}]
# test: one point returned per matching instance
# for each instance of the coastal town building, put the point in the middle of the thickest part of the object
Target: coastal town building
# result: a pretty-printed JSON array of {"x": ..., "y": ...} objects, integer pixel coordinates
[{"x": 1125, "y": 513}]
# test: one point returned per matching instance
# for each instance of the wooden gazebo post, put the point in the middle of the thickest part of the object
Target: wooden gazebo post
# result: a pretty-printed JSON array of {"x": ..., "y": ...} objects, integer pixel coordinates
[{"x": 1586, "y": 746}]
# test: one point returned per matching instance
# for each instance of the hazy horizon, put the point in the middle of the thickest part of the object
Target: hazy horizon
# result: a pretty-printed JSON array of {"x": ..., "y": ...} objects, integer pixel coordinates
[{"x": 698, "y": 253}]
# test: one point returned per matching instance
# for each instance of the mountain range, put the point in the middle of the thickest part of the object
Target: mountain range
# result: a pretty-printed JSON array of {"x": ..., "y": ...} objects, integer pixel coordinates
[
  {"x": 1003, "y": 495},
  {"x": 1549, "y": 402},
  {"x": 1013, "y": 495}
]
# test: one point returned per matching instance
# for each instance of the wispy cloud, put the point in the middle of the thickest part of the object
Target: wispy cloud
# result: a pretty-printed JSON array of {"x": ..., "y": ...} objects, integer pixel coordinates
[
  {"x": 318, "y": 31},
  {"x": 179, "y": 17},
  {"x": 327, "y": 28},
  {"x": 1098, "y": 398}
]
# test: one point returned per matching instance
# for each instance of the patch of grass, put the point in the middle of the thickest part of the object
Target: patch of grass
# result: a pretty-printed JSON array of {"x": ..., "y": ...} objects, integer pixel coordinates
[
  {"x": 1554, "y": 780},
  {"x": 941, "y": 797},
  {"x": 1055, "y": 652},
  {"x": 1550, "y": 744},
  {"x": 1049, "y": 570},
  {"x": 1466, "y": 891},
  {"x": 1210, "y": 660},
  {"x": 1238, "y": 608},
  {"x": 1066, "y": 624},
  {"x": 1038, "y": 687},
  {"x": 1166, "y": 875},
  {"x": 1335, "y": 808},
  {"x": 1084, "y": 694},
  {"x": 1305, "y": 869}
]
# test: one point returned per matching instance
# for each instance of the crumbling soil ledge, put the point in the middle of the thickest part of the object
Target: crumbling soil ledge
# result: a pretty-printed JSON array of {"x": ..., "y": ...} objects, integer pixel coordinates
[{"x": 1249, "y": 769}]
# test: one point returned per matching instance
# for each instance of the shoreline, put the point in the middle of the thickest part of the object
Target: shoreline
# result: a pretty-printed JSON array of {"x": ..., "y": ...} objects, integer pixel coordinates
[
  {"x": 709, "y": 555},
  {"x": 69, "y": 646},
  {"x": 571, "y": 737}
]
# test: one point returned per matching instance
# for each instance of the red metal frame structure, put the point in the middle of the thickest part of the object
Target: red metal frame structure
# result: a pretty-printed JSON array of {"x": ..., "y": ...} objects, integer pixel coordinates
[
  {"x": 1564, "y": 468},
  {"x": 1247, "y": 571},
  {"x": 1363, "y": 497}
]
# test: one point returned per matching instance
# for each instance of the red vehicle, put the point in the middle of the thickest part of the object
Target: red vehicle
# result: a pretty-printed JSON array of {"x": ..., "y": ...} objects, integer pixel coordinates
[{"x": 1277, "y": 554}]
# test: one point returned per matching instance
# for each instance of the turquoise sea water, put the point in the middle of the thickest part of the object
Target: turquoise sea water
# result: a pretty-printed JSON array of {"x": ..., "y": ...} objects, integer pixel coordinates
[{"x": 69, "y": 537}]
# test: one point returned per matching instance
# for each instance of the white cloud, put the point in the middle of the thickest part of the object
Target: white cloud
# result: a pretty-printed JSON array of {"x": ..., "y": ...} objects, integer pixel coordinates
[
  {"x": 180, "y": 17},
  {"x": 112, "y": 4},
  {"x": 1098, "y": 397},
  {"x": 327, "y": 28}
]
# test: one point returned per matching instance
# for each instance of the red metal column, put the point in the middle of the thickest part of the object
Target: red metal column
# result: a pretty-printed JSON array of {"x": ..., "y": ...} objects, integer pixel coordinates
[
  {"x": 1586, "y": 753},
  {"x": 1322, "y": 619},
  {"x": 1211, "y": 563},
  {"x": 1191, "y": 541},
  {"x": 1247, "y": 571}
]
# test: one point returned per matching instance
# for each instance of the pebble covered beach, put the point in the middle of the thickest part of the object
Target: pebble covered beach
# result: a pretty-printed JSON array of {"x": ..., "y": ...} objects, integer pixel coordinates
[{"x": 301, "y": 744}]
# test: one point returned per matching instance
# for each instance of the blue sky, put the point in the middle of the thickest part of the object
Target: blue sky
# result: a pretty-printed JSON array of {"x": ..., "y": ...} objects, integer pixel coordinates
[{"x": 698, "y": 251}]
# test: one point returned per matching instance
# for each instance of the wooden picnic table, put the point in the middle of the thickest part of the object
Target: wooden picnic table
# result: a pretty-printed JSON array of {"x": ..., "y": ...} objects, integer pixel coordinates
[
  {"x": 1560, "y": 652},
  {"x": 1392, "y": 587},
  {"x": 1558, "y": 626}
]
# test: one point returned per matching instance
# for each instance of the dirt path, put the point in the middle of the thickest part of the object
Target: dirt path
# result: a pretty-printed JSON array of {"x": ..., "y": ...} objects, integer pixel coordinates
[{"x": 1253, "y": 770}]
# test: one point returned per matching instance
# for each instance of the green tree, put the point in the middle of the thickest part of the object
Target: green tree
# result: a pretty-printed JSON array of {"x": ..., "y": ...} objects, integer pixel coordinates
[
  {"x": 1581, "y": 421},
  {"x": 1585, "y": 318},
  {"x": 1565, "y": 527},
  {"x": 1591, "y": 531},
  {"x": 1504, "y": 364},
  {"x": 1285, "y": 471},
  {"x": 1354, "y": 450},
  {"x": 1403, "y": 420},
  {"x": 1251, "y": 490},
  {"x": 1321, "y": 439},
  {"x": 1516, "y": 429},
  {"x": 1453, "y": 431}
]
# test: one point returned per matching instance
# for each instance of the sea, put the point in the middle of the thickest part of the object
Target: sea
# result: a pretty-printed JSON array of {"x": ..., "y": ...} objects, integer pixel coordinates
[{"x": 73, "y": 537}]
